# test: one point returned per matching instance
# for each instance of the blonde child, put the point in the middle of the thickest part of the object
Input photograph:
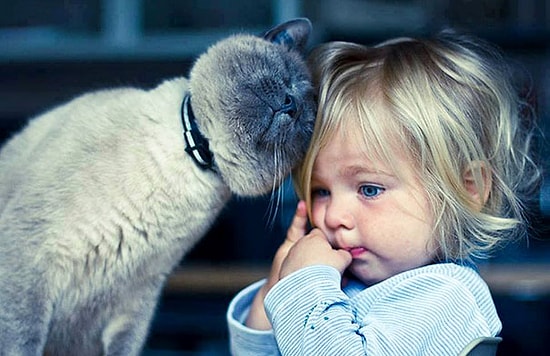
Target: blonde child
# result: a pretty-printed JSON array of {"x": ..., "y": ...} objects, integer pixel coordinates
[{"x": 417, "y": 167}]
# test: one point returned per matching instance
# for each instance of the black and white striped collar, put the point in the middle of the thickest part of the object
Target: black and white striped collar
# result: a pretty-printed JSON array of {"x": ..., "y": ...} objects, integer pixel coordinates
[{"x": 196, "y": 144}]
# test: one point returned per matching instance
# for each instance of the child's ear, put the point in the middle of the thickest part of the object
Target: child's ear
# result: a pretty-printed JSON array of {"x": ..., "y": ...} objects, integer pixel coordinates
[{"x": 478, "y": 183}]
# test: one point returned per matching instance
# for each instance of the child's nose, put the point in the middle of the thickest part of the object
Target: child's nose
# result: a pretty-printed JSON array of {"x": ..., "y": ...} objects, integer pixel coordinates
[{"x": 338, "y": 214}]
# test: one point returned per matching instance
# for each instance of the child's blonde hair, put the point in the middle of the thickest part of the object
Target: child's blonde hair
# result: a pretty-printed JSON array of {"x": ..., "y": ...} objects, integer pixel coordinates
[{"x": 452, "y": 108}]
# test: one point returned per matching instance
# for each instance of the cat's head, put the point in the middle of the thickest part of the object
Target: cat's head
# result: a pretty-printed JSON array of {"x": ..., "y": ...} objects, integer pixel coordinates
[{"x": 253, "y": 101}]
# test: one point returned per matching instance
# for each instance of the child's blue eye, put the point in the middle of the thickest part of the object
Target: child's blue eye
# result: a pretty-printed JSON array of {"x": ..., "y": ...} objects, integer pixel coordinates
[{"x": 371, "y": 191}]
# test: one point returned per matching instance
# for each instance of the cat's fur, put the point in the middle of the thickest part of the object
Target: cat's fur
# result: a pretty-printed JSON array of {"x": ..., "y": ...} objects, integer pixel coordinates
[{"x": 99, "y": 200}]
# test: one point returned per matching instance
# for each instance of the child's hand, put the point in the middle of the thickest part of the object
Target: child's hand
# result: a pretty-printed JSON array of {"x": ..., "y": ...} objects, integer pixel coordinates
[
  {"x": 295, "y": 232},
  {"x": 314, "y": 249},
  {"x": 257, "y": 319}
]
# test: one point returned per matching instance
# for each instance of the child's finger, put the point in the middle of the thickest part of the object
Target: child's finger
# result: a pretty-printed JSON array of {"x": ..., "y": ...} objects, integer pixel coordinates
[
  {"x": 298, "y": 226},
  {"x": 344, "y": 258}
]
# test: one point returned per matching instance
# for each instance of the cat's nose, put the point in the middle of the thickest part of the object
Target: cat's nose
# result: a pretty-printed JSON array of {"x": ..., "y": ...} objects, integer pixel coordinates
[{"x": 289, "y": 106}]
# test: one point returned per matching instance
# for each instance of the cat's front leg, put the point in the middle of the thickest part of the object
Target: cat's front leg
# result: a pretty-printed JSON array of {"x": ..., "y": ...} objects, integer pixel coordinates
[
  {"x": 125, "y": 335},
  {"x": 24, "y": 344},
  {"x": 127, "y": 330},
  {"x": 23, "y": 324}
]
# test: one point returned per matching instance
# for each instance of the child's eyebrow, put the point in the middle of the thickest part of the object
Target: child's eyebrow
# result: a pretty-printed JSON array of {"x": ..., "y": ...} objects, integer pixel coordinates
[{"x": 355, "y": 170}]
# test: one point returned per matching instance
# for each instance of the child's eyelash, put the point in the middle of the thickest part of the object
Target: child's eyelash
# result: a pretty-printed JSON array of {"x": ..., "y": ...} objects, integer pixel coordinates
[{"x": 371, "y": 191}]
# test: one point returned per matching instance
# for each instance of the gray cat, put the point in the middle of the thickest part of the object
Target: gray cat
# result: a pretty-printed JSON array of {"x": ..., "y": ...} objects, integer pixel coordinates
[{"x": 101, "y": 197}]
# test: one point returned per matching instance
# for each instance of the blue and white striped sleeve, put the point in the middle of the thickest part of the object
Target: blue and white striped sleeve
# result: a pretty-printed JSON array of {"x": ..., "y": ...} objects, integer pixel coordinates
[
  {"x": 312, "y": 316},
  {"x": 244, "y": 341}
]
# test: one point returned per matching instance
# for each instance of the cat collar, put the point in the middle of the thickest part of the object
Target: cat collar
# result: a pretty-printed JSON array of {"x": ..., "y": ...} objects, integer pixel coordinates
[{"x": 197, "y": 144}]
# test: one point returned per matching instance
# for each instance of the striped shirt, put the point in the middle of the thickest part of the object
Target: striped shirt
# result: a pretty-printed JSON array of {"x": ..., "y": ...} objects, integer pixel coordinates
[{"x": 432, "y": 310}]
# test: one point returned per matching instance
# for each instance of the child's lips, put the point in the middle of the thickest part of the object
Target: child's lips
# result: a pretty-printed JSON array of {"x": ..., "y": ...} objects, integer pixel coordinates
[{"x": 357, "y": 251}]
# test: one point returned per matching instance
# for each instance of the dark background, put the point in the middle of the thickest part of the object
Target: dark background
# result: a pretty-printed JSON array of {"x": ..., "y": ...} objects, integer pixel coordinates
[{"x": 53, "y": 50}]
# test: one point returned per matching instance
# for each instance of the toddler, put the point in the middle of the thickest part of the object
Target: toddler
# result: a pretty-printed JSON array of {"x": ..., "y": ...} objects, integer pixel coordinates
[{"x": 418, "y": 166}]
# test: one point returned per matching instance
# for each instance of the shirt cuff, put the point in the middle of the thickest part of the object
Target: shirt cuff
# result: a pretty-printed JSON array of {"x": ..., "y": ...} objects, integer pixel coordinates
[{"x": 242, "y": 339}]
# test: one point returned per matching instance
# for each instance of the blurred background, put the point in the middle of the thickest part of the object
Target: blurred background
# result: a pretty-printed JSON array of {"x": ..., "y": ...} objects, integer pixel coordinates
[{"x": 53, "y": 50}]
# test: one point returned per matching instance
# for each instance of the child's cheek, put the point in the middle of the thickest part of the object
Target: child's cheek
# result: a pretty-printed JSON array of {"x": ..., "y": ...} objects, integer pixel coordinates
[{"x": 317, "y": 216}]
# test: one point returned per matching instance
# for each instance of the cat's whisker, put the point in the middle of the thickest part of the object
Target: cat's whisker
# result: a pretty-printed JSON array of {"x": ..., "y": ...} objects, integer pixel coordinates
[{"x": 276, "y": 192}]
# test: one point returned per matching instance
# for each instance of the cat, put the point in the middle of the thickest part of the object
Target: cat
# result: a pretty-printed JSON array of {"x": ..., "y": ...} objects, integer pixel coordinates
[{"x": 101, "y": 197}]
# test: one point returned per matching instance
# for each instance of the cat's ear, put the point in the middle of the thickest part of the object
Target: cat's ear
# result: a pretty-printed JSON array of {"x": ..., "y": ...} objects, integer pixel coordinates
[{"x": 292, "y": 34}]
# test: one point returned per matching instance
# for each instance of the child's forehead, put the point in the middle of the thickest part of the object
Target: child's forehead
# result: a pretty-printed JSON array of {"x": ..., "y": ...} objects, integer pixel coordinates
[
  {"x": 377, "y": 136},
  {"x": 349, "y": 155}
]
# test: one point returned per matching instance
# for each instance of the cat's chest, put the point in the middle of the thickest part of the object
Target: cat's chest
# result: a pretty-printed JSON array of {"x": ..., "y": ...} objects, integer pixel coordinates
[
  {"x": 132, "y": 243},
  {"x": 139, "y": 225},
  {"x": 152, "y": 217}
]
